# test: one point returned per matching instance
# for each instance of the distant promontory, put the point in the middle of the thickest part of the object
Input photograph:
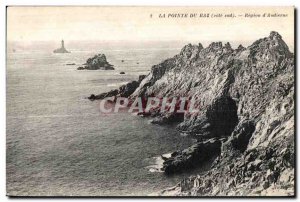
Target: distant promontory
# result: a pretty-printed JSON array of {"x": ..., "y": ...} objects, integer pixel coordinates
[
  {"x": 62, "y": 49},
  {"x": 97, "y": 62}
]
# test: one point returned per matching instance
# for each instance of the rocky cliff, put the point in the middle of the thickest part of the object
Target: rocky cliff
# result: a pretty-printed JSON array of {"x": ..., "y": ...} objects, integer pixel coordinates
[{"x": 246, "y": 119}]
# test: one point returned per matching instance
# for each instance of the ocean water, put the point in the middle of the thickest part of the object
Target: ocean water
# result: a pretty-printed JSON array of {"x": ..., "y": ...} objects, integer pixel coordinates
[{"x": 58, "y": 143}]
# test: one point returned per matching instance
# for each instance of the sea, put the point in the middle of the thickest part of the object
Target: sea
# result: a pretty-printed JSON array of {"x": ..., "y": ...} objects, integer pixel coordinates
[{"x": 58, "y": 143}]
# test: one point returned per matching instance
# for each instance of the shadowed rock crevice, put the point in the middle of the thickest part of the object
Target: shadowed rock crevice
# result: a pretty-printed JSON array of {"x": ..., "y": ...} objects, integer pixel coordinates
[
  {"x": 222, "y": 117},
  {"x": 238, "y": 141},
  {"x": 242, "y": 134}
]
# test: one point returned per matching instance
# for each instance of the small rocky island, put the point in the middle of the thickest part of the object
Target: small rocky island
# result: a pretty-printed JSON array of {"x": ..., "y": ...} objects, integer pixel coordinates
[
  {"x": 97, "y": 62},
  {"x": 62, "y": 49}
]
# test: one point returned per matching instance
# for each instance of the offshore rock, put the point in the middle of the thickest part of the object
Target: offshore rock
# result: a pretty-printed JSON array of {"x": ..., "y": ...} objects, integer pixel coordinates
[{"x": 97, "y": 62}]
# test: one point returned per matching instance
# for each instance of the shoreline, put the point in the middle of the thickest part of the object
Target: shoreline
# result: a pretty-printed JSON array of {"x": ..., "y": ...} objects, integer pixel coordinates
[{"x": 234, "y": 112}]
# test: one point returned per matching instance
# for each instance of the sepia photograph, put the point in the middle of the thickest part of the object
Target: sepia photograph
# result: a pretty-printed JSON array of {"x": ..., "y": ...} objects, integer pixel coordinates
[{"x": 150, "y": 101}]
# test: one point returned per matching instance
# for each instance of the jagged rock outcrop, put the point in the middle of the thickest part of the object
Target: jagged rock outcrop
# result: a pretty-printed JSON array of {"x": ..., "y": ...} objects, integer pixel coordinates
[
  {"x": 192, "y": 157},
  {"x": 247, "y": 95},
  {"x": 97, "y": 62},
  {"x": 247, "y": 100},
  {"x": 124, "y": 91}
]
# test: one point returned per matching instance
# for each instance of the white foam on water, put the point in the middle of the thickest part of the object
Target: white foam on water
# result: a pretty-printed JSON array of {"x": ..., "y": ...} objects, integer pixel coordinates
[{"x": 158, "y": 163}]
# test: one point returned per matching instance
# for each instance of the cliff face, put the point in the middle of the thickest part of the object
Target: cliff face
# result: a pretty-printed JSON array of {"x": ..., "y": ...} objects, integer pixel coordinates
[{"x": 246, "y": 100}]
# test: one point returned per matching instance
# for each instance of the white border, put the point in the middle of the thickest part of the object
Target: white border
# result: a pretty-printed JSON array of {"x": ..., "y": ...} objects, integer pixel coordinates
[{"x": 4, "y": 3}]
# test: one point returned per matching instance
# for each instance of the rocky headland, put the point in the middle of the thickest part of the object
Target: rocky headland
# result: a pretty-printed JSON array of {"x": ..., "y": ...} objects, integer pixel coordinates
[
  {"x": 124, "y": 91},
  {"x": 97, "y": 62},
  {"x": 246, "y": 122}
]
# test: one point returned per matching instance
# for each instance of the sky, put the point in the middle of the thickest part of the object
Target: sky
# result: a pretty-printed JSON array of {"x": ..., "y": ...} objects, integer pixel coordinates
[{"x": 144, "y": 24}]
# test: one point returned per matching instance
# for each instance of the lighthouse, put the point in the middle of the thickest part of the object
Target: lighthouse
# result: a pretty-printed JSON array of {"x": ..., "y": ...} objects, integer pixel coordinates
[
  {"x": 62, "y": 49},
  {"x": 62, "y": 44}
]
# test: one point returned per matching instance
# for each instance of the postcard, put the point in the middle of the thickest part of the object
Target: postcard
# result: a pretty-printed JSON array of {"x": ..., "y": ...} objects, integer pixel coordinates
[{"x": 136, "y": 101}]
